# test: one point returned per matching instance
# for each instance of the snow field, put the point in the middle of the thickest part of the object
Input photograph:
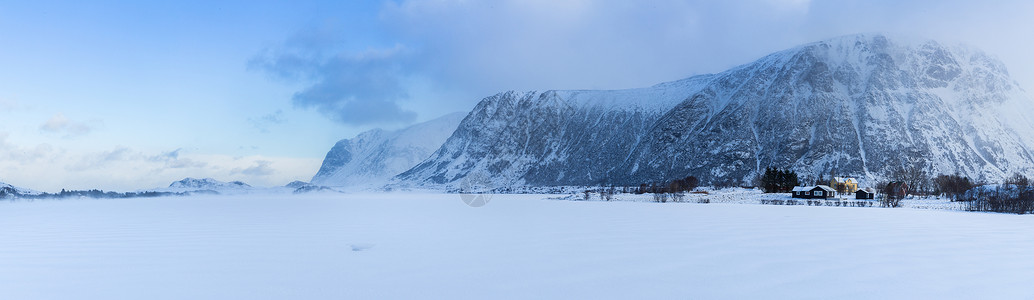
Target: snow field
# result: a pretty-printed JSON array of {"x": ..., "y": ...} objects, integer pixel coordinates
[{"x": 517, "y": 246}]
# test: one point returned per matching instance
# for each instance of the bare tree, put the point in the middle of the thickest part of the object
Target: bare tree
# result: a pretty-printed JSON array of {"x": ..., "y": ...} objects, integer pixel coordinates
[
  {"x": 914, "y": 176},
  {"x": 952, "y": 186},
  {"x": 1018, "y": 179}
]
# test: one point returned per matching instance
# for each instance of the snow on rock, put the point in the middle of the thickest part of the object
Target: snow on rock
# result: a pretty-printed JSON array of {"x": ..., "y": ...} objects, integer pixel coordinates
[
  {"x": 193, "y": 184},
  {"x": 373, "y": 157},
  {"x": 7, "y": 190},
  {"x": 297, "y": 184},
  {"x": 859, "y": 106}
]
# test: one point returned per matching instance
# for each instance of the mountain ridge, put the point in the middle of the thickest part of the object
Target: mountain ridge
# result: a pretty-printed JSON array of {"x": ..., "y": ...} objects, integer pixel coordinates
[{"x": 858, "y": 105}]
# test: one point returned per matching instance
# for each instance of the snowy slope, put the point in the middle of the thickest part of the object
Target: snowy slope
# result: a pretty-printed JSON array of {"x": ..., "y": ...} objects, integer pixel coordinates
[
  {"x": 857, "y": 105},
  {"x": 373, "y": 157},
  {"x": 7, "y": 190}
]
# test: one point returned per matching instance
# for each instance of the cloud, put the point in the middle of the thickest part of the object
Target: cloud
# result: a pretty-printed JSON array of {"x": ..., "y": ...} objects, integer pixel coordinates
[
  {"x": 25, "y": 156},
  {"x": 535, "y": 45},
  {"x": 265, "y": 122},
  {"x": 59, "y": 124},
  {"x": 260, "y": 168},
  {"x": 100, "y": 159},
  {"x": 172, "y": 160},
  {"x": 431, "y": 54},
  {"x": 9, "y": 105},
  {"x": 50, "y": 168},
  {"x": 353, "y": 88}
]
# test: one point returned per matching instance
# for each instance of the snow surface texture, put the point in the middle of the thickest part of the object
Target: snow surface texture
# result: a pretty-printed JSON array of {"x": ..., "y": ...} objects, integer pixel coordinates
[
  {"x": 410, "y": 246},
  {"x": 858, "y": 105},
  {"x": 373, "y": 157}
]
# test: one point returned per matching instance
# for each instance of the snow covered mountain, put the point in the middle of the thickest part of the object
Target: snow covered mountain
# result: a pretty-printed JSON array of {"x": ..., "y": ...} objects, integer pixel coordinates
[
  {"x": 193, "y": 184},
  {"x": 7, "y": 190},
  {"x": 373, "y": 157},
  {"x": 857, "y": 105}
]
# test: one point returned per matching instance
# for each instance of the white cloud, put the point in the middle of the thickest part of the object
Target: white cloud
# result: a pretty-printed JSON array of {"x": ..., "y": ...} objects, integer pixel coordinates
[
  {"x": 267, "y": 121},
  {"x": 9, "y": 105},
  {"x": 260, "y": 168},
  {"x": 49, "y": 168},
  {"x": 59, "y": 124}
]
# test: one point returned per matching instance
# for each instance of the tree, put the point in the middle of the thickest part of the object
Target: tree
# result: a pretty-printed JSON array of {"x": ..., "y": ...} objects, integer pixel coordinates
[
  {"x": 952, "y": 186},
  {"x": 778, "y": 181},
  {"x": 914, "y": 177},
  {"x": 692, "y": 182}
]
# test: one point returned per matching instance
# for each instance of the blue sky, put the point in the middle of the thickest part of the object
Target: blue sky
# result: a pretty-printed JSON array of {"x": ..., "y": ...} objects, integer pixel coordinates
[{"x": 125, "y": 95}]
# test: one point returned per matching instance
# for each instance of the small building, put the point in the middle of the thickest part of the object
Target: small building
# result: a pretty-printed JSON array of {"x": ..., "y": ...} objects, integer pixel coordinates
[
  {"x": 896, "y": 189},
  {"x": 866, "y": 193},
  {"x": 813, "y": 192},
  {"x": 844, "y": 184},
  {"x": 798, "y": 191}
]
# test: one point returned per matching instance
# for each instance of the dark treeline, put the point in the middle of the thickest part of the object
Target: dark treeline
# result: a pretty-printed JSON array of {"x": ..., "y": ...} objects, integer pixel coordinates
[
  {"x": 952, "y": 186},
  {"x": 778, "y": 180},
  {"x": 687, "y": 184},
  {"x": 96, "y": 194}
]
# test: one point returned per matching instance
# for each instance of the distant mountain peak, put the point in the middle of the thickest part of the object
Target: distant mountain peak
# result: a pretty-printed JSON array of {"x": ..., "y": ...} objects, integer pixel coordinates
[{"x": 208, "y": 184}]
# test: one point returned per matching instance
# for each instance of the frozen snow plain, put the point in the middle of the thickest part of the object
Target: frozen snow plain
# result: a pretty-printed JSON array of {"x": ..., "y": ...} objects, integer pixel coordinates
[{"x": 518, "y": 246}]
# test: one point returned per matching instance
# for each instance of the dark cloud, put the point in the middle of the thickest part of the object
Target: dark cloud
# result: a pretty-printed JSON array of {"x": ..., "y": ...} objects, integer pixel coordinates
[{"x": 353, "y": 88}]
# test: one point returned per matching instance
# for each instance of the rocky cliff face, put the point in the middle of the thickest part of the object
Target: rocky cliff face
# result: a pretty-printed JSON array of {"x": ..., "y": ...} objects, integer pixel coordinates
[{"x": 857, "y": 106}]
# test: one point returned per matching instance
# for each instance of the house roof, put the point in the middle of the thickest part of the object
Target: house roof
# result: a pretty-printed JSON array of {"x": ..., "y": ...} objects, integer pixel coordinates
[
  {"x": 845, "y": 180},
  {"x": 802, "y": 188},
  {"x": 867, "y": 190},
  {"x": 825, "y": 188}
]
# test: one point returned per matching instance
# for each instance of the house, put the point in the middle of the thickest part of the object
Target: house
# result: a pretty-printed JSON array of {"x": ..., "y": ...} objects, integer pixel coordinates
[
  {"x": 798, "y": 191},
  {"x": 896, "y": 189},
  {"x": 866, "y": 193},
  {"x": 822, "y": 192},
  {"x": 844, "y": 185},
  {"x": 813, "y": 192}
]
